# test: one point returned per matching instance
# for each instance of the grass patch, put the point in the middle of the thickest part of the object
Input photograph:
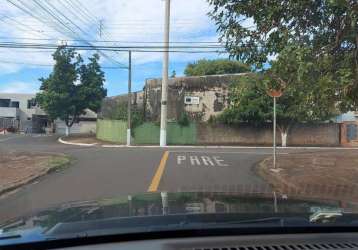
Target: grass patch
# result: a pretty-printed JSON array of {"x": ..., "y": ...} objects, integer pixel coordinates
[
  {"x": 114, "y": 201},
  {"x": 58, "y": 162}
]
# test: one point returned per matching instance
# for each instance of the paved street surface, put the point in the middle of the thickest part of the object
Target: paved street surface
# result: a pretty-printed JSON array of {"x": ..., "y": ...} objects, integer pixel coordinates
[{"x": 98, "y": 172}]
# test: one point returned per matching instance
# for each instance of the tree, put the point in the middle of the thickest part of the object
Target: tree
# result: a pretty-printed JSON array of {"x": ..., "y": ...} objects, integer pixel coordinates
[
  {"x": 91, "y": 89},
  {"x": 215, "y": 67},
  {"x": 72, "y": 87},
  {"x": 174, "y": 74},
  {"x": 307, "y": 95},
  {"x": 255, "y": 30}
]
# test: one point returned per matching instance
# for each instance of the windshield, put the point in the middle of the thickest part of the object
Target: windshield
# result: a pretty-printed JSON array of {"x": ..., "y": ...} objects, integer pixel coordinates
[{"x": 176, "y": 114}]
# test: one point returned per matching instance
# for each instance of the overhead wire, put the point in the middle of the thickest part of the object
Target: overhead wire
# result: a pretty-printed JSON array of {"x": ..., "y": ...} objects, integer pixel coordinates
[
  {"x": 111, "y": 41},
  {"x": 45, "y": 65},
  {"x": 114, "y": 47},
  {"x": 177, "y": 49},
  {"x": 59, "y": 20}
]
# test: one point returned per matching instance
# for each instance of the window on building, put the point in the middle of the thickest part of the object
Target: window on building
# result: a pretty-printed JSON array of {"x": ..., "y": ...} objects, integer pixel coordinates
[
  {"x": 31, "y": 103},
  {"x": 15, "y": 104},
  {"x": 5, "y": 103},
  {"x": 191, "y": 100}
]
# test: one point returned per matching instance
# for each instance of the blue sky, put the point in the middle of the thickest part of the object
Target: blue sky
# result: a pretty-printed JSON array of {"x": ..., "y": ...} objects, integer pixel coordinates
[{"x": 122, "y": 20}]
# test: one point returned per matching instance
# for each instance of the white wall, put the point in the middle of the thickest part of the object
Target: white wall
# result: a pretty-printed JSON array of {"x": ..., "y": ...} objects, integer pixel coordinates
[
  {"x": 83, "y": 127},
  {"x": 8, "y": 112}
]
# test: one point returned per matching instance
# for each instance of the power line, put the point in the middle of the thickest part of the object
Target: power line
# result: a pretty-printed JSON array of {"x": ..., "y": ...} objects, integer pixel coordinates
[
  {"x": 99, "y": 47},
  {"x": 45, "y": 65},
  {"x": 82, "y": 8},
  {"x": 110, "y": 41},
  {"x": 56, "y": 18},
  {"x": 26, "y": 8},
  {"x": 79, "y": 28},
  {"x": 117, "y": 49},
  {"x": 53, "y": 15}
]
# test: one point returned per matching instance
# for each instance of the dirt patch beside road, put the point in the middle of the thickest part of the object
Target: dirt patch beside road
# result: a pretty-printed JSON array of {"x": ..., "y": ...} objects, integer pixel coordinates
[
  {"x": 326, "y": 175},
  {"x": 17, "y": 169},
  {"x": 85, "y": 139}
]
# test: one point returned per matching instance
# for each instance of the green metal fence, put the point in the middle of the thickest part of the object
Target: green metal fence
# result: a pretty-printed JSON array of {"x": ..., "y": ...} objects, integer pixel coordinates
[
  {"x": 182, "y": 135},
  {"x": 112, "y": 130},
  {"x": 146, "y": 133}
]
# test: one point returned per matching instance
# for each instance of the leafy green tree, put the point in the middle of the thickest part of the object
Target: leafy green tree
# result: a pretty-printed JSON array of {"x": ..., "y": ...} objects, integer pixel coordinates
[
  {"x": 307, "y": 95},
  {"x": 215, "y": 67},
  {"x": 255, "y": 30},
  {"x": 91, "y": 89},
  {"x": 71, "y": 87}
]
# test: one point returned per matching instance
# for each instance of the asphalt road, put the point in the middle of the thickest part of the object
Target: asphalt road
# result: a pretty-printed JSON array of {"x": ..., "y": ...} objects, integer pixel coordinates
[{"x": 99, "y": 172}]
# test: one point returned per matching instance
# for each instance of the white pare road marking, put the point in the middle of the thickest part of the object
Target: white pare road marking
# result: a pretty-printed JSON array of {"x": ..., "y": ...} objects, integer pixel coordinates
[{"x": 204, "y": 160}]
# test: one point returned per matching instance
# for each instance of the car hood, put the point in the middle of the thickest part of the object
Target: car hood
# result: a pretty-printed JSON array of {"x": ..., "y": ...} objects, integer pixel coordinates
[{"x": 138, "y": 208}]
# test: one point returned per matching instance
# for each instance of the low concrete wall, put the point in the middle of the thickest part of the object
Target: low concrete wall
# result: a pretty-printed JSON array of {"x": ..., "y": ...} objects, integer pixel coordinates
[
  {"x": 240, "y": 134},
  {"x": 326, "y": 134}
]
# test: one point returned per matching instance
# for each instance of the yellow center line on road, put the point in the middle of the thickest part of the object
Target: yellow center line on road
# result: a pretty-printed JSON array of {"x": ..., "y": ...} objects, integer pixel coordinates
[{"x": 159, "y": 173}]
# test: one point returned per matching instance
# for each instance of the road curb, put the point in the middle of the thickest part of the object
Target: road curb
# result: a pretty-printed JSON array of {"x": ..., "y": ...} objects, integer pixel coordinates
[
  {"x": 76, "y": 143},
  {"x": 198, "y": 146},
  {"x": 225, "y": 147}
]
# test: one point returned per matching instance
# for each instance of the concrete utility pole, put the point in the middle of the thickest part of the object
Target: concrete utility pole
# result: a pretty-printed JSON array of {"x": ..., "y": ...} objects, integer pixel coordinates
[
  {"x": 163, "y": 113},
  {"x": 129, "y": 98},
  {"x": 100, "y": 28},
  {"x": 274, "y": 132},
  {"x": 165, "y": 207}
]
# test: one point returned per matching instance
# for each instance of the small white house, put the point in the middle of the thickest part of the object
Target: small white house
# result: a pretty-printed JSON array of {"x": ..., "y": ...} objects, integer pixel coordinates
[{"x": 85, "y": 125}]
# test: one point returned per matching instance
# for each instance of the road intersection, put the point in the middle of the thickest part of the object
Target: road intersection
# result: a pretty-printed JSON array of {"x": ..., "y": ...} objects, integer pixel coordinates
[{"x": 104, "y": 172}]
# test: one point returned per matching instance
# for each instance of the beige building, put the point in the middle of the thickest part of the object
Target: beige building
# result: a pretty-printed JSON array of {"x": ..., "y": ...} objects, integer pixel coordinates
[{"x": 199, "y": 96}]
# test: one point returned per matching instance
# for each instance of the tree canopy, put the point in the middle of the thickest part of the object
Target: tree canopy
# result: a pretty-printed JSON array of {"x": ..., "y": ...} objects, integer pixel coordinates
[
  {"x": 254, "y": 31},
  {"x": 307, "y": 95},
  {"x": 215, "y": 67},
  {"x": 72, "y": 86}
]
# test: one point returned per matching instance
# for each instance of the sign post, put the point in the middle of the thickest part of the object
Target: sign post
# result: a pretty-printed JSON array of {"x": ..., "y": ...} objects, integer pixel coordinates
[{"x": 274, "y": 94}]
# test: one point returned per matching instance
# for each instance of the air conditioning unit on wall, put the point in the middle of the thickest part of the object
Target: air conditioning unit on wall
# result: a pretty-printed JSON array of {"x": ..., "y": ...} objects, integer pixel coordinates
[{"x": 192, "y": 100}]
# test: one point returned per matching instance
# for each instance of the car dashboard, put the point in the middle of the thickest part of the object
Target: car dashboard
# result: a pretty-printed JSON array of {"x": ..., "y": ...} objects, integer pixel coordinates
[{"x": 315, "y": 241}]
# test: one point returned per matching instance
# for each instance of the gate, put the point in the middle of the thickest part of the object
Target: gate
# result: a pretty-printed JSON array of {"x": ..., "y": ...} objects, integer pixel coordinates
[
  {"x": 6, "y": 123},
  {"x": 351, "y": 132}
]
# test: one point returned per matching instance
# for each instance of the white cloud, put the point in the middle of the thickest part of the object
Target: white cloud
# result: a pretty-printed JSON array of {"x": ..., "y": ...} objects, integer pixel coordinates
[{"x": 19, "y": 87}]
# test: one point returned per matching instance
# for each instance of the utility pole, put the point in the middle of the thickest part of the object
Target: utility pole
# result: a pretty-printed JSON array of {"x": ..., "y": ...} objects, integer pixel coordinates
[
  {"x": 100, "y": 28},
  {"x": 129, "y": 98},
  {"x": 164, "y": 101},
  {"x": 165, "y": 207},
  {"x": 274, "y": 132}
]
